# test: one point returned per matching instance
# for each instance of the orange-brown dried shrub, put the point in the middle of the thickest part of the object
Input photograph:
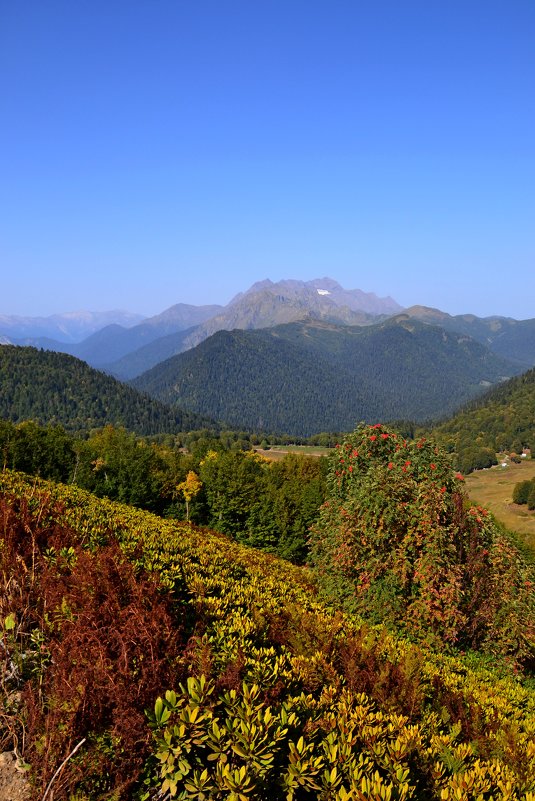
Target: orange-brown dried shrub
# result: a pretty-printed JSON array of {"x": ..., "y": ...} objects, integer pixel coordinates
[{"x": 111, "y": 639}]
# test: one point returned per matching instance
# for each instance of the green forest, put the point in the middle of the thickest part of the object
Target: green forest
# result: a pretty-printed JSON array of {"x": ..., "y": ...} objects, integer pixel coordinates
[
  {"x": 308, "y": 377},
  {"x": 56, "y": 388},
  {"x": 266, "y": 504},
  {"x": 503, "y": 420}
]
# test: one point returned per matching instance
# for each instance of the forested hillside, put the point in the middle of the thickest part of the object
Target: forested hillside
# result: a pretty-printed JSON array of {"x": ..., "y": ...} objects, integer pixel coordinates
[
  {"x": 306, "y": 377},
  {"x": 264, "y": 383},
  {"x": 53, "y": 387},
  {"x": 502, "y": 420},
  {"x": 512, "y": 339}
]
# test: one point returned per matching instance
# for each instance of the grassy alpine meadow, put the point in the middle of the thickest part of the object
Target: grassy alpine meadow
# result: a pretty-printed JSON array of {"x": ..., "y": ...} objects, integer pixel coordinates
[
  {"x": 493, "y": 489},
  {"x": 278, "y": 452},
  {"x": 143, "y": 658}
]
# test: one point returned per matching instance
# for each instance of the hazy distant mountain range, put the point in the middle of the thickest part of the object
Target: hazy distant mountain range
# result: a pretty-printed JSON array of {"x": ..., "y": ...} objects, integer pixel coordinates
[
  {"x": 114, "y": 347},
  {"x": 295, "y": 356},
  {"x": 67, "y": 327}
]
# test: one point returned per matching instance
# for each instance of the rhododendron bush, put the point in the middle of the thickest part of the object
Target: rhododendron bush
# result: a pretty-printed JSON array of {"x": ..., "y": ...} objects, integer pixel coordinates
[{"x": 398, "y": 542}]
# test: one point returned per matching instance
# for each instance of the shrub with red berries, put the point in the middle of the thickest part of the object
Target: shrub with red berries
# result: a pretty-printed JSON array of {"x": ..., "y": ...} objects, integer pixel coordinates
[{"x": 398, "y": 542}]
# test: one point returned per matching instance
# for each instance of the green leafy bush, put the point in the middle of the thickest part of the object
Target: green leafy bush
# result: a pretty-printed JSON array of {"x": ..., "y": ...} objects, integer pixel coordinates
[
  {"x": 398, "y": 542},
  {"x": 521, "y": 491}
]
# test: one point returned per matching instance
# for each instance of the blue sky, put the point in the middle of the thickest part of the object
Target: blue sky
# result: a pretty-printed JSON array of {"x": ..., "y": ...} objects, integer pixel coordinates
[{"x": 164, "y": 151}]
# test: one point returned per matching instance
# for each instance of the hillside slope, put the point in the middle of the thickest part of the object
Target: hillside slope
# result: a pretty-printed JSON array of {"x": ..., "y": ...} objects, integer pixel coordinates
[
  {"x": 509, "y": 338},
  {"x": 158, "y": 350},
  {"x": 253, "y": 684},
  {"x": 251, "y": 380},
  {"x": 54, "y": 387},
  {"x": 305, "y": 377},
  {"x": 501, "y": 420}
]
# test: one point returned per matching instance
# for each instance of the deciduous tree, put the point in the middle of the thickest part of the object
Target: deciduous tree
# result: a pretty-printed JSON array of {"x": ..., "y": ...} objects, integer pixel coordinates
[{"x": 189, "y": 489}]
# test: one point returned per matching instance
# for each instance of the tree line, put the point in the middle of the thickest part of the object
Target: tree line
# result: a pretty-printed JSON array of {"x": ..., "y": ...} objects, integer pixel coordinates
[{"x": 234, "y": 490}]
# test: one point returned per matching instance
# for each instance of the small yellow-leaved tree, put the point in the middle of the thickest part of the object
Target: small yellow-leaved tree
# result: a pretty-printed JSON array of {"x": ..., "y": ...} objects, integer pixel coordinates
[{"x": 189, "y": 489}]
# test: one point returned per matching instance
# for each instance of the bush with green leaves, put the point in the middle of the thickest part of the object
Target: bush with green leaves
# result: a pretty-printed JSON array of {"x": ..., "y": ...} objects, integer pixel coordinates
[
  {"x": 522, "y": 490},
  {"x": 398, "y": 542}
]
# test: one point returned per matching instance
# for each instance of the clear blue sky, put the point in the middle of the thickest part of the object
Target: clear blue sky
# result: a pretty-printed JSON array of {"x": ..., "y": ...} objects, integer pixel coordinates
[{"x": 163, "y": 151}]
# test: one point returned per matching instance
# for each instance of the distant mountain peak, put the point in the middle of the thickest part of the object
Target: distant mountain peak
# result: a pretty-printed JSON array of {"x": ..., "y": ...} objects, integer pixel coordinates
[
  {"x": 426, "y": 311},
  {"x": 356, "y": 300},
  {"x": 325, "y": 283}
]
